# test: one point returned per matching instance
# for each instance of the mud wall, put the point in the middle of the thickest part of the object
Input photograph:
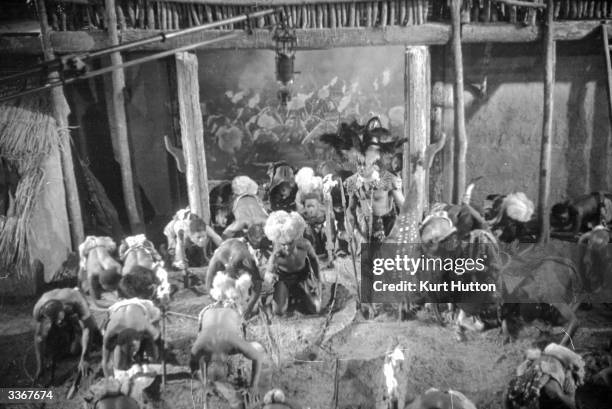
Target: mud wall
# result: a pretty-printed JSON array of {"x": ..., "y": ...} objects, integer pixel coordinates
[
  {"x": 245, "y": 127},
  {"x": 504, "y": 126}
]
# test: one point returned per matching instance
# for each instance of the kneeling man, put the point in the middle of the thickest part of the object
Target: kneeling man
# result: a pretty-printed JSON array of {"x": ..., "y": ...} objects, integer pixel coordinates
[
  {"x": 131, "y": 323},
  {"x": 293, "y": 266},
  {"x": 62, "y": 310}
]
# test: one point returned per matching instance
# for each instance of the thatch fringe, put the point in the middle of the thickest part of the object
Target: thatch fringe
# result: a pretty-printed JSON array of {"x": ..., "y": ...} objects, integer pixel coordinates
[{"x": 27, "y": 135}]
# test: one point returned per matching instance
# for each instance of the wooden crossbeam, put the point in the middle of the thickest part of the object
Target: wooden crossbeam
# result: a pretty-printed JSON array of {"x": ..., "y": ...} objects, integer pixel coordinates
[{"x": 426, "y": 34}]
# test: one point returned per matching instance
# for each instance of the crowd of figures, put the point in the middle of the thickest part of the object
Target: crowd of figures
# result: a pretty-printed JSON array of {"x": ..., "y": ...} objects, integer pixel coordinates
[{"x": 264, "y": 250}]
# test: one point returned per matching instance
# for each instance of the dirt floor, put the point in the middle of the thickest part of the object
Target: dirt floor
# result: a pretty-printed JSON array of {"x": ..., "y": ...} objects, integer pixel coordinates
[{"x": 346, "y": 368}]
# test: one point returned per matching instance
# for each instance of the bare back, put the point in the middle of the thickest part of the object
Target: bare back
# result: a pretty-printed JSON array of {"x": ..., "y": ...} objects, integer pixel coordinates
[{"x": 221, "y": 328}]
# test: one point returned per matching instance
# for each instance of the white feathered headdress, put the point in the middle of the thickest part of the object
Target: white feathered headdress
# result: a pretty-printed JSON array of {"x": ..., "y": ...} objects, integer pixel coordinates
[
  {"x": 93, "y": 242},
  {"x": 226, "y": 288},
  {"x": 307, "y": 182},
  {"x": 518, "y": 207},
  {"x": 285, "y": 227},
  {"x": 244, "y": 185}
]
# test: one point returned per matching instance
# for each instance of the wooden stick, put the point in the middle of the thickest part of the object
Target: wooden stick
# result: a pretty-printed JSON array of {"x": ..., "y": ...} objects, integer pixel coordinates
[
  {"x": 547, "y": 127},
  {"x": 194, "y": 15},
  {"x": 519, "y": 3},
  {"x": 383, "y": 14},
  {"x": 325, "y": 16},
  {"x": 460, "y": 133},
  {"x": 150, "y": 16},
  {"x": 163, "y": 352},
  {"x": 209, "y": 13},
  {"x": 305, "y": 15},
  {"x": 332, "y": 15},
  {"x": 319, "y": 16},
  {"x": 141, "y": 13},
  {"x": 121, "y": 18},
  {"x": 131, "y": 14},
  {"x": 118, "y": 124},
  {"x": 61, "y": 110},
  {"x": 176, "y": 17}
]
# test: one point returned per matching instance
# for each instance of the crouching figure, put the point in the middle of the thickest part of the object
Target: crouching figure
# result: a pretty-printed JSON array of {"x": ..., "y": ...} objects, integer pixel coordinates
[
  {"x": 131, "y": 330},
  {"x": 220, "y": 335},
  {"x": 293, "y": 266},
  {"x": 546, "y": 379},
  {"x": 62, "y": 315}
]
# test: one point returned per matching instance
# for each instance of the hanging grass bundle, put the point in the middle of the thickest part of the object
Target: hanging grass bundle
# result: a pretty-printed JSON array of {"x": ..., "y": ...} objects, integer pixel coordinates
[{"x": 28, "y": 133}]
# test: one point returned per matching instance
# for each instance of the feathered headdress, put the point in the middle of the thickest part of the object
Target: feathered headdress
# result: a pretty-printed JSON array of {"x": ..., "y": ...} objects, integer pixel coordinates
[
  {"x": 93, "y": 242},
  {"x": 244, "y": 185},
  {"x": 284, "y": 226},
  {"x": 516, "y": 206},
  {"x": 308, "y": 184},
  {"x": 353, "y": 140}
]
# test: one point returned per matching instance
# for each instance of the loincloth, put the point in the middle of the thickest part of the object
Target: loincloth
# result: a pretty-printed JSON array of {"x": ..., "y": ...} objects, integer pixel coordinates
[
  {"x": 382, "y": 225},
  {"x": 299, "y": 283},
  {"x": 295, "y": 277},
  {"x": 151, "y": 312}
]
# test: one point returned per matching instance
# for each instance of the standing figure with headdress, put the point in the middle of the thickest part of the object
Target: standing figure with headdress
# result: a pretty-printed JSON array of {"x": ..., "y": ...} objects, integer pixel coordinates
[
  {"x": 312, "y": 206},
  {"x": 374, "y": 194},
  {"x": 282, "y": 187}
]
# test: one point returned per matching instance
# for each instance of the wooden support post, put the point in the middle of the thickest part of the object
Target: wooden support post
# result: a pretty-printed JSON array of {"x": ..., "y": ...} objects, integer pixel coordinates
[
  {"x": 417, "y": 108},
  {"x": 118, "y": 124},
  {"x": 547, "y": 127},
  {"x": 61, "y": 110},
  {"x": 460, "y": 134},
  {"x": 192, "y": 133}
]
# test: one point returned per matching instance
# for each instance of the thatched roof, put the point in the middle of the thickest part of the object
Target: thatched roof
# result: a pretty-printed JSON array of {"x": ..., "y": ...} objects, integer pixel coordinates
[
  {"x": 27, "y": 134},
  {"x": 72, "y": 15}
]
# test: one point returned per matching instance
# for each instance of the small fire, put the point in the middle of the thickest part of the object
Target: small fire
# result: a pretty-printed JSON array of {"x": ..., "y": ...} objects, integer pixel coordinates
[{"x": 391, "y": 363}]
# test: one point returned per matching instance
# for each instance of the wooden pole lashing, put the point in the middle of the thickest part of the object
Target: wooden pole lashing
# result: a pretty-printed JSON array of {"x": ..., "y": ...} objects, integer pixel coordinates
[
  {"x": 547, "y": 126},
  {"x": 61, "y": 110},
  {"x": 118, "y": 124},
  {"x": 460, "y": 133}
]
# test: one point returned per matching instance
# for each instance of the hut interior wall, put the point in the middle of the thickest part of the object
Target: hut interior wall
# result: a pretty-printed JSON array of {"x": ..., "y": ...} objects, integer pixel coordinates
[{"x": 244, "y": 128}]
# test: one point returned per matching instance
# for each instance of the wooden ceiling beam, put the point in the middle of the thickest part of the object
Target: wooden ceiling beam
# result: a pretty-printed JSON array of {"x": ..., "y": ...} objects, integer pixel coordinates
[{"x": 426, "y": 34}]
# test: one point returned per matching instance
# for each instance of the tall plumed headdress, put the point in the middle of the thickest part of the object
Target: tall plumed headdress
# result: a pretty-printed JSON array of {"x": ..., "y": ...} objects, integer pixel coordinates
[{"x": 353, "y": 140}]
